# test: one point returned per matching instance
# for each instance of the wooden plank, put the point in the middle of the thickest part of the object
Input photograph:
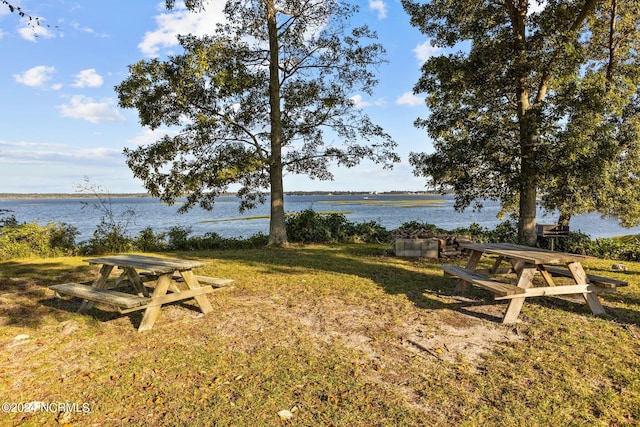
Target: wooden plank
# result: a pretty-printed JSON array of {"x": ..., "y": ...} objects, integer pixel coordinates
[
  {"x": 552, "y": 290},
  {"x": 526, "y": 253},
  {"x": 105, "y": 296},
  {"x": 155, "y": 265},
  {"x": 581, "y": 278},
  {"x": 152, "y": 313},
  {"x": 99, "y": 283},
  {"x": 598, "y": 280},
  {"x": 179, "y": 296},
  {"x": 525, "y": 280},
  {"x": 497, "y": 287},
  {"x": 192, "y": 283}
]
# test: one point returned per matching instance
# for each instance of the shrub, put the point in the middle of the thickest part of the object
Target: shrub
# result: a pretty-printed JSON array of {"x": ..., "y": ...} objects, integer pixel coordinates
[
  {"x": 179, "y": 239},
  {"x": 33, "y": 240},
  {"x": 309, "y": 226},
  {"x": 148, "y": 241}
]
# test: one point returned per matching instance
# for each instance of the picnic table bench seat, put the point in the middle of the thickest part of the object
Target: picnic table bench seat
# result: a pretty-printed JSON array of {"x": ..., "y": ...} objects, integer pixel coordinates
[
  {"x": 106, "y": 296},
  {"x": 605, "y": 282},
  {"x": 124, "y": 302},
  {"x": 500, "y": 289}
]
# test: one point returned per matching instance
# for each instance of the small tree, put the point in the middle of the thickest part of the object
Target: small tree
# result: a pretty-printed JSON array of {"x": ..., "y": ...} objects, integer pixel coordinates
[
  {"x": 255, "y": 100},
  {"x": 112, "y": 233}
]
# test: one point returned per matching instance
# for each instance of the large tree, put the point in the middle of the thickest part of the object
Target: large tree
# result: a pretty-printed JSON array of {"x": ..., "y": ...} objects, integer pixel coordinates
[
  {"x": 521, "y": 109},
  {"x": 594, "y": 157},
  {"x": 268, "y": 92}
]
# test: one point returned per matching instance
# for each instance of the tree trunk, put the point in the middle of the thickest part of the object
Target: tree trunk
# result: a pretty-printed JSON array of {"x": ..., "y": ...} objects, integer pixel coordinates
[
  {"x": 277, "y": 227},
  {"x": 527, "y": 122},
  {"x": 565, "y": 218}
]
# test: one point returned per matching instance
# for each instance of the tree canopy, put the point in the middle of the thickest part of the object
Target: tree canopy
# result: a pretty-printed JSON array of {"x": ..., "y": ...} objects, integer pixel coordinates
[
  {"x": 537, "y": 103},
  {"x": 266, "y": 93}
]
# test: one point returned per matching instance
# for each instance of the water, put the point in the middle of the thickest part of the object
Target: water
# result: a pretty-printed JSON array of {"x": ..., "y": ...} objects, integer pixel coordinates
[{"x": 390, "y": 210}]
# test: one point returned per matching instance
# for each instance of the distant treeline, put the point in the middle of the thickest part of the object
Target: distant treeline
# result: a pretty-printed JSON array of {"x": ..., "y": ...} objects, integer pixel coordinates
[{"x": 44, "y": 196}]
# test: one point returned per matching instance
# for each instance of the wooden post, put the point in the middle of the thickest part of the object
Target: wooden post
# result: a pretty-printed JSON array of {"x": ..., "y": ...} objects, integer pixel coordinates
[
  {"x": 581, "y": 278},
  {"x": 99, "y": 283},
  {"x": 192, "y": 283},
  {"x": 151, "y": 313},
  {"x": 525, "y": 278}
]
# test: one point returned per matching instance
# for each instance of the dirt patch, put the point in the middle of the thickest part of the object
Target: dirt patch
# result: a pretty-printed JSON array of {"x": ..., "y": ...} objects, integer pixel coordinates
[{"x": 445, "y": 335}]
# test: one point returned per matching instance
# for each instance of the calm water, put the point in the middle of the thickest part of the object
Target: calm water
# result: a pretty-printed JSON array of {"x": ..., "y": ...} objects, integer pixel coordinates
[{"x": 389, "y": 210}]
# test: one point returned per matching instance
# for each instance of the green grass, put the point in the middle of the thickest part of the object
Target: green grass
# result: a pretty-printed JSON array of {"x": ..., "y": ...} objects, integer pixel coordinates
[{"x": 341, "y": 335}]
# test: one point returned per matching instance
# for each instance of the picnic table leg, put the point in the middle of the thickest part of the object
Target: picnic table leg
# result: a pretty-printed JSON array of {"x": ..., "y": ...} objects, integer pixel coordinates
[
  {"x": 151, "y": 313},
  {"x": 99, "y": 283},
  {"x": 496, "y": 265},
  {"x": 192, "y": 283},
  {"x": 472, "y": 263},
  {"x": 525, "y": 280},
  {"x": 135, "y": 279},
  {"x": 591, "y": 298}
]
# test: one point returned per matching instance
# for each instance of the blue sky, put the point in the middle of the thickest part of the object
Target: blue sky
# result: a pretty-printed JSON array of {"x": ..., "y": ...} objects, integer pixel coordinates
[{"x": 59, "y": 119}]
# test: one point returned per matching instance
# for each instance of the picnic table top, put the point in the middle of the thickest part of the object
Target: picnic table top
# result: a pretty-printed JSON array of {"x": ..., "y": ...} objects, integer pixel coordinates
[
  {"x": 526, "y": 253},
  {"x": 152, "y": 264}
]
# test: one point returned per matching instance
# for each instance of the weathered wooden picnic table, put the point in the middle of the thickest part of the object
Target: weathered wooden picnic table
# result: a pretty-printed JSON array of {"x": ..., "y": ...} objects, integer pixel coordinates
[
  {"x": 526, "y": 262},
  {"x": 168, "y": 274}
]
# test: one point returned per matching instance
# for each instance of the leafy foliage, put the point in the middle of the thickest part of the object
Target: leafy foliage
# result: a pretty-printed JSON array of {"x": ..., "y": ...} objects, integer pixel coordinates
[
  {"x": 33, "y": 240},
  {"x": 543, "y": 101},
  {"x": 309, "y": 226},
  {"x": 255, "y": 100}
]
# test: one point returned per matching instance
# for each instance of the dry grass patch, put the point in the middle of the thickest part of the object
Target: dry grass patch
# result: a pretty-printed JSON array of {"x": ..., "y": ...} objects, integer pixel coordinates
[{"x": 338, "y": 335}]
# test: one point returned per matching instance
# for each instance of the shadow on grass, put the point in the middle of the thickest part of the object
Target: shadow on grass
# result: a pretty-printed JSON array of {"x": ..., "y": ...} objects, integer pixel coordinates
[
  {"x": 26, "y": 300},
  {"x": 423, "y": 283}
]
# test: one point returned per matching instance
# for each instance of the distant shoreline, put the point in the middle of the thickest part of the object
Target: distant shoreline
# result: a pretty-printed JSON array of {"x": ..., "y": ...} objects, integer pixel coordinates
[{"x": 50, "y": 196}]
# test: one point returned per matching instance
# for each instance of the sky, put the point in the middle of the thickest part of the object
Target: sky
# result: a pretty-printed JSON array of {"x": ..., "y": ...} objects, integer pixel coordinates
[{"x": 59, "y": 117}]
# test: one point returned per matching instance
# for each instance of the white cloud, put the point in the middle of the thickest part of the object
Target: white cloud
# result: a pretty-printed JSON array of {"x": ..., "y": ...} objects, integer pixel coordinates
[
  {"x": 44, "y": 153},
  {"x": 30, "y": 145},
  {"x": 32, "y": 32},
  {"x": 149, "y": 136},
  {"x": 379, "y": 6},
  {"x": 359, "y": 103},
  {"x": 36, "y": 76},
  {"x": 88, "y": 78},
  {"x": 85, "y": 108},
  {"x": 180, "y": 21},
  {"x": 409, "y": 99},
  {"x": 536, "y": 6},
  {"x": 425, "y": 51}
]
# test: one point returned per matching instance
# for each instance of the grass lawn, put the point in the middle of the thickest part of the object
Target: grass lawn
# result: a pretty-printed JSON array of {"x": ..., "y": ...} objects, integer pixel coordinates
[{"x": 338, "y": 335}]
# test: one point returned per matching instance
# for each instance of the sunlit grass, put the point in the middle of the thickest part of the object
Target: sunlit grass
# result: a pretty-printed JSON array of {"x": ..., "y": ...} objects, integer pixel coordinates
[{"x": 321, "y": 331}]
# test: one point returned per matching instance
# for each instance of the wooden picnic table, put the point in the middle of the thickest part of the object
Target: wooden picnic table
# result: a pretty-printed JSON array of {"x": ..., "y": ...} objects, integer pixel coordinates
[
  {"x": 167, "y": 274},
  {"x": 526, "y": 262}
]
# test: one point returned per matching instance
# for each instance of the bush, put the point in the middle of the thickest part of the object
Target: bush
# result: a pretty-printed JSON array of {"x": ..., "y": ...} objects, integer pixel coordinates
[
  {"x": 33, "y": 240},
  {"x": 309, "y": 226},
  {"x": 148, "y": 241},
  {"x": 107, "y": 238}
]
